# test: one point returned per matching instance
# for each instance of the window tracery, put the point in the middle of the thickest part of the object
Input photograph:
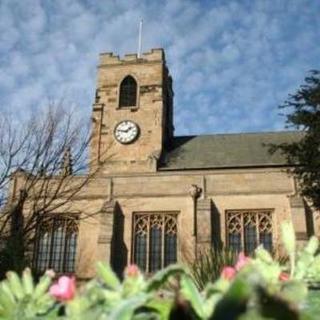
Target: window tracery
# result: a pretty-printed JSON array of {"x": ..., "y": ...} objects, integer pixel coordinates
[
  {"x": 56, "y": 243},
  {"x": 154, "y": 240},
  {"x": 246, "y": 229}
]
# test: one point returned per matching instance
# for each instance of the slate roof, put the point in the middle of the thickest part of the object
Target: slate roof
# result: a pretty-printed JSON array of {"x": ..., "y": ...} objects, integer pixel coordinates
[{"x": 226, "y": 151}]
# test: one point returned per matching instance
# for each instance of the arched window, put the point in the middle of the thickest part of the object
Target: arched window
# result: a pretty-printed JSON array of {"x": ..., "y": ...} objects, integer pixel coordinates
[
  {"x": 155, "y": 240},
  {"x": 128, "y": 92},
  {"x": 246, "y": 229},
  {"x": 56, "y": 244}
]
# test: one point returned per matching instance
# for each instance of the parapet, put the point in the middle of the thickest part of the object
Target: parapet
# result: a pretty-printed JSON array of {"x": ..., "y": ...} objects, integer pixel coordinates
[{"x": 108, "y": 58}]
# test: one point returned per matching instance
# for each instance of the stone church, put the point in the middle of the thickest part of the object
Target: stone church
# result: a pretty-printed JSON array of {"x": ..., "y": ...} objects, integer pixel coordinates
[{"x": 160, "y": 198}]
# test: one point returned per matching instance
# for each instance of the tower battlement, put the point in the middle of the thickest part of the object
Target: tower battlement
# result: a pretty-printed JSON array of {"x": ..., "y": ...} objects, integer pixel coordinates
[{"x": 109, "y": 58}]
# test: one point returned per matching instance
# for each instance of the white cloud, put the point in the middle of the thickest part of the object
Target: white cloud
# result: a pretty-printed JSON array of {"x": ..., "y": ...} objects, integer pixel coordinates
[{"x": 233, "y": 62}]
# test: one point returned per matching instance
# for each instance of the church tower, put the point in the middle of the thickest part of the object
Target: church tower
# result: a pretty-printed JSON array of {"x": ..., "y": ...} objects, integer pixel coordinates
[{"x": 132, "y": 113}]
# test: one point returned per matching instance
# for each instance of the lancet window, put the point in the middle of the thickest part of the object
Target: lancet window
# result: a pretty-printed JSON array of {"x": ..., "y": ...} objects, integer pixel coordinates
[{"x": 128, "y": 92}]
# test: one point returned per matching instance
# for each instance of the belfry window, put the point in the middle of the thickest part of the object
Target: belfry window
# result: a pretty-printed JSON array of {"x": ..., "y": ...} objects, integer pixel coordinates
[
  {"x": 128, "y": 92},
  {"x": 154, "y": 240},
  {"x": 56, "y": 243},
  {"x": 246, "y": 229}
]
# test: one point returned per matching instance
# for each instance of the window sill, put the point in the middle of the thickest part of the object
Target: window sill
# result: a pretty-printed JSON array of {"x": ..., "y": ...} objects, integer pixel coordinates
[{"x": 132, "y": 109}]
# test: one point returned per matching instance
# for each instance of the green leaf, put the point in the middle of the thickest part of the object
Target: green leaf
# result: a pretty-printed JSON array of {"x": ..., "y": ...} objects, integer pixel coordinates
[
  {"x": 190, "y": 292},
  {"x": 162, "y": 306},
  {"x": 77, "y": 307},
  {"x": 105, "y": 272},
  {"x": 211, "y": 302},
  {"x": 314, "y": 270},
  {"x": 111, "y": 296},
  {"x": 288, "y": 237},
  {"x": 27, "y": 282},
  {"x": 307, "y": 262},
  {"x": 274, "y": 306},
  {"x": 132, "y": 285},
  {"x": 161, "y": 277},
  {"x": 234, "y": 303},
  {"x": 15, "y": 285},
  {"x": 6, "y": 302},
  {"x": 42, "y": 287},
  {"x": 312, "y": 305},
  {"x": 44, "y": 304},
  {"x": 289, "y": 241},
  {"x": 7, "y": 291},
  {"x": 294, "y": 291},
  {"x": 221, "y": 285},
  {"x": 263, "y": 255},
  {"x": 240, "y": 289},
  {"x": 126, "y": 308},
  {"x": 303, "y": 264},
  {"x": 312, "y": 245}
]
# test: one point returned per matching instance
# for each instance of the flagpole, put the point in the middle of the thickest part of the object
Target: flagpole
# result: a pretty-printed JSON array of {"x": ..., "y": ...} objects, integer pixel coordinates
[{"x": 140, "y": 39}]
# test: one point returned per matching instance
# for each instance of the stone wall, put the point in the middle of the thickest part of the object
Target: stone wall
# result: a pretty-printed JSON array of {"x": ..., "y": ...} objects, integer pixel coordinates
[{"x": 170, "y": 191}]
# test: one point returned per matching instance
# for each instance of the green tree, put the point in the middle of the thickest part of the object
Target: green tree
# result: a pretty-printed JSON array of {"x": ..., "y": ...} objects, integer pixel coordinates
[{"x": 303, "y": 113}]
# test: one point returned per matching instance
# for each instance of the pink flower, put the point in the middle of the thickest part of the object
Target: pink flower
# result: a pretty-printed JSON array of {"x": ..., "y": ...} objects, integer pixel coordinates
[
  {"x": 64, "y": 289},
  {"x": 283, "y": 276},
  {"x": 242, "y": 261},
  {"x": 132, "y": 270},
  {"x": 228, "y": 273}
]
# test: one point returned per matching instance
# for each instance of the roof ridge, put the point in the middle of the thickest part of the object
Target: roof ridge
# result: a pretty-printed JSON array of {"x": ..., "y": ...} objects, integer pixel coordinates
[{"x": 240, "y": 133}]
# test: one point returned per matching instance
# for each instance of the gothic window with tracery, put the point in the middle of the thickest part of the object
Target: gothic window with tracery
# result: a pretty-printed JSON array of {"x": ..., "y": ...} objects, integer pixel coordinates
[
  {"x": 56, "y": 243},
  {"x": 128, "y": 92},
  {"x": 246, "y": 229},
  {"x": 154, "y": 240}
]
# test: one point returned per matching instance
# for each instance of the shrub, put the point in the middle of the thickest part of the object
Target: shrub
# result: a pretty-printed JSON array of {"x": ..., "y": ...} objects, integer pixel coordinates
[{"x": 207, "y": 268}]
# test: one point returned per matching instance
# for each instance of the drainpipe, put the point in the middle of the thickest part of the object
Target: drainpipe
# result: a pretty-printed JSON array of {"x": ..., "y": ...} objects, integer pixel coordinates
[{"x": 195, "y": 193}]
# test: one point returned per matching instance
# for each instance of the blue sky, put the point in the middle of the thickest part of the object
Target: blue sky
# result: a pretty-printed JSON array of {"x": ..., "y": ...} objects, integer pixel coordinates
[{"x": 233, "y": 62}]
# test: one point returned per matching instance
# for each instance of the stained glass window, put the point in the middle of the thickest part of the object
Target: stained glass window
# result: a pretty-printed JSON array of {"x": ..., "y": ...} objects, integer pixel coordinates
[
  {"x": 155, "y": 248},
  {"x": 248, "y": 228},
  {"x": 70, "y": 250},
  {"x": 43, "y": 250},
  {"x": 58, "y": 246},
  {"x": 250, "y": 238},
  {"x": 141, "y": 251},
  {"x": 235, "y": 241},
  {"x": 155, "y": 240},
  {"x": 170, "y": 241},
  {"x": 128, "y": 92},
  {"x": 56, "y": 243}
]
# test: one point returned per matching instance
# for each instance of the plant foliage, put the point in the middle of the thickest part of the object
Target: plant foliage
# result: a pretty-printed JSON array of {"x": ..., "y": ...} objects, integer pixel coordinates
[
  {"x": 207, "y": 267},
  {"x": 260, "y": 288}
]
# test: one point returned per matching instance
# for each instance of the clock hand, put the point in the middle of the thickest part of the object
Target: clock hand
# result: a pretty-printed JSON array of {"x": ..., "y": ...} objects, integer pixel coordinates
[{"x": 123, "y": 131}]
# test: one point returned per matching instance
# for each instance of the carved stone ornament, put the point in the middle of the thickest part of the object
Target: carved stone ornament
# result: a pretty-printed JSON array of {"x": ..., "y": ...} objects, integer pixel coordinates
[{"x": 195, "y": 191}]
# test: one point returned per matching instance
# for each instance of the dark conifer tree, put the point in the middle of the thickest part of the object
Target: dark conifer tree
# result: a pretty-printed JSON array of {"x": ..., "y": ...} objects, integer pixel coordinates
[{"x": 303, "y": 113}]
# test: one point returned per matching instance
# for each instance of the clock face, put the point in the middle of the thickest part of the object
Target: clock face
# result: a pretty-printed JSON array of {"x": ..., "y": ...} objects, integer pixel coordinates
[{"x": 126, "y": 131}]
